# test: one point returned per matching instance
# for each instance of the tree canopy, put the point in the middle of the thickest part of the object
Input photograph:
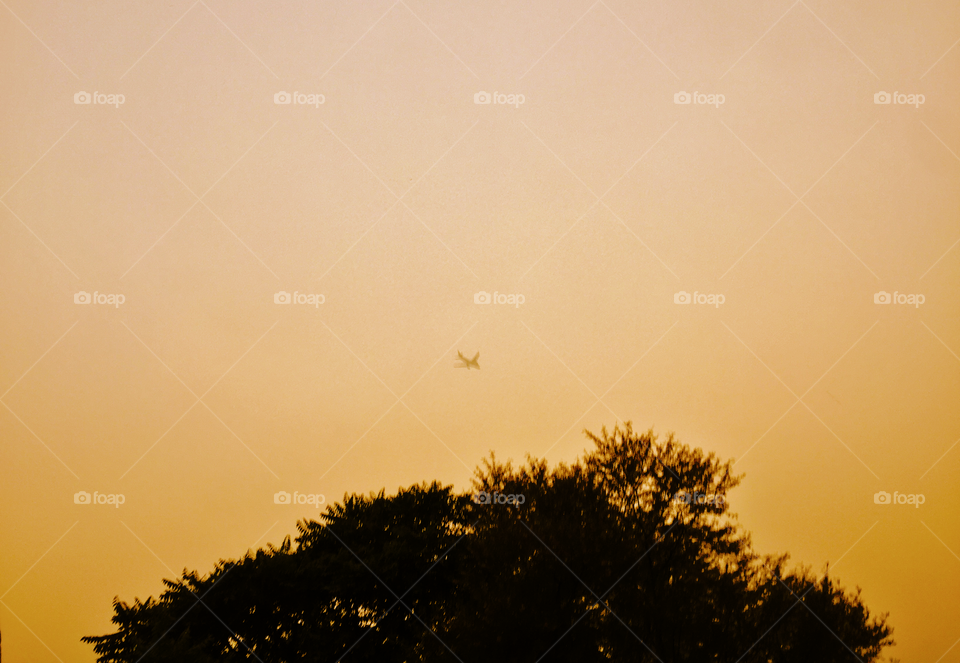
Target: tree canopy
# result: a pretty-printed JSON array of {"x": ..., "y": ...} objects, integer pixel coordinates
[{"x": 629, "y": 554}]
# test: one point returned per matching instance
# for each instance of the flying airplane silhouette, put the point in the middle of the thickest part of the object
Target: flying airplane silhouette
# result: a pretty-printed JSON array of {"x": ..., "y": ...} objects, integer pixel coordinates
[{"x": 467, "y": 363}]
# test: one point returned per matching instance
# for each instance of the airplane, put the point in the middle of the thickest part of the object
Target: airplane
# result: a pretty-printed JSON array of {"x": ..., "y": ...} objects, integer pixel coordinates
[{"x": 467, "y": 363}]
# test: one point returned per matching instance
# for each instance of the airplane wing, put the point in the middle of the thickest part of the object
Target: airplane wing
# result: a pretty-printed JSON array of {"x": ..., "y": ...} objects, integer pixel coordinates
[{"x": 475, "y": 358}]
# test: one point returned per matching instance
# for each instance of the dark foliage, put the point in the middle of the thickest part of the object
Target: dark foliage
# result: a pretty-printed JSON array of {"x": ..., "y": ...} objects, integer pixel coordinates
[{"x": 601, "y": 562}]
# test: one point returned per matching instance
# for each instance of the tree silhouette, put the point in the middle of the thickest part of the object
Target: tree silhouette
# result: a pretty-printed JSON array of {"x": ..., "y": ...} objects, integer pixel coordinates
[{"x": 601, "y": 562}]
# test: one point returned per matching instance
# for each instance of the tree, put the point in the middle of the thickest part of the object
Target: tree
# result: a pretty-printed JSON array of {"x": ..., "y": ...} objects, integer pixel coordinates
[{"x": 628, "y": 554}]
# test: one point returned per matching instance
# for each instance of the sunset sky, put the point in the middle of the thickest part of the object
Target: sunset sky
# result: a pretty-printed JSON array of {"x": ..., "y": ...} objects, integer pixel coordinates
[{"x": 801, "y": 199}]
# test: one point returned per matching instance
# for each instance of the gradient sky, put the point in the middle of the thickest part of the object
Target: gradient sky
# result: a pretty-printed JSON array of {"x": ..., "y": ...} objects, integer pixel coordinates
[{"x": 400, "y": 198}]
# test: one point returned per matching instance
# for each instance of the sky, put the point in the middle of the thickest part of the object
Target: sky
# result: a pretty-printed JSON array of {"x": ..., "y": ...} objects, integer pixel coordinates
[{"x": 786, "y": 201}]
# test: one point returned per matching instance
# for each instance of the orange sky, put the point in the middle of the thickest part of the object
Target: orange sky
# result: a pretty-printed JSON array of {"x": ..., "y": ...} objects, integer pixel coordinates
[{"x": 599, "y": 199}]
